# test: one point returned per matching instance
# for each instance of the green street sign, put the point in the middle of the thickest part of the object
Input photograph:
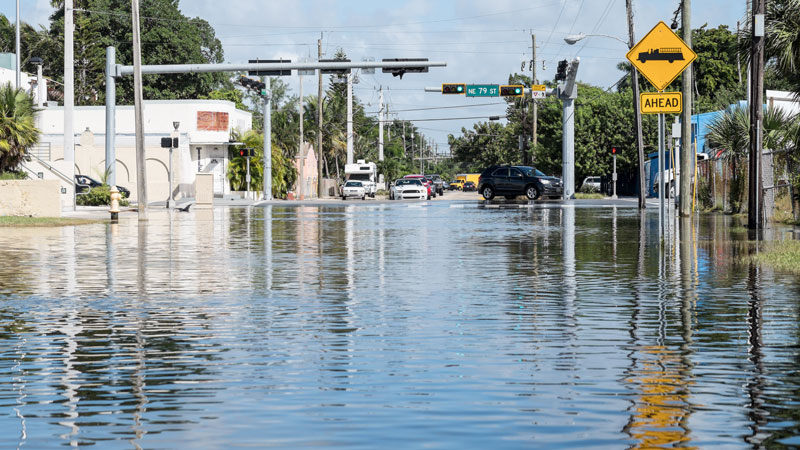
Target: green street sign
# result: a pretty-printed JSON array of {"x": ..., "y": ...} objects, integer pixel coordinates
[{"x": 483, "y": 90}]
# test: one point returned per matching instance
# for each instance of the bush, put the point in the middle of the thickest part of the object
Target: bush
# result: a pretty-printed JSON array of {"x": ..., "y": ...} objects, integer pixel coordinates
[
  {"x": 12, "y": 175},
  {"x": 98, "y": 196}
]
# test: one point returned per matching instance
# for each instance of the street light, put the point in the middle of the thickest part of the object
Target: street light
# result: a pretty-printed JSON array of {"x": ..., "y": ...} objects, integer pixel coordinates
[{"x": 572, "y": 39}]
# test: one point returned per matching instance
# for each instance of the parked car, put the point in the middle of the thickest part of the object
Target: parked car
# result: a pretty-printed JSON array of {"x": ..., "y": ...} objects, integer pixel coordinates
[
  {"x": 426, "y": 182},
  {"x": 408, "y": 188},
  {"x": 469, "y": 186},
  {"x": 437, "y": 182},
  {"x": 590, "y": 184},
  {"x": 354, "y": 189},
  {"x": 84, "y": 183},
  {"x": 457, "y": 185},
  {"x": 512, "y": 181}
]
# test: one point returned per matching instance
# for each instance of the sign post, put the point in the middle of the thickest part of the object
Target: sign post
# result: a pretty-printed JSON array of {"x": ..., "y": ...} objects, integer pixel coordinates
[{"x": 660, "y": 57}]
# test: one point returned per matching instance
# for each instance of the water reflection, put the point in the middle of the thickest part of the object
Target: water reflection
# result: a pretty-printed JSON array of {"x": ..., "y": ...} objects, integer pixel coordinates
[{"x": 408, "y": 326}]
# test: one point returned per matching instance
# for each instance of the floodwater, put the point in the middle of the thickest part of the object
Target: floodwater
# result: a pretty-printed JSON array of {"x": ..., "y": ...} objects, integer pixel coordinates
[{"x": 443, "y": 325}]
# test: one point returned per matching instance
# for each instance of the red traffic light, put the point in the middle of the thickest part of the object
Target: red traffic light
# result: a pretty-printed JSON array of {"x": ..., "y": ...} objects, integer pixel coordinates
[{"x": 613, "y": 150}]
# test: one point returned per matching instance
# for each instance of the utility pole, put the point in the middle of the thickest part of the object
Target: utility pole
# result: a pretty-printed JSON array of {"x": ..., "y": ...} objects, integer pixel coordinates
[
  {"x": 534, "y": 139},
  {"x": 754, "y": 214},
  {"x": 19, "y": 73},
  {"x": 141, "y": 177},
  {"x": 320, "y": 184},
  {"x": 636, "y": 109},
  {"x": 738, "y": 60},
  {"x": 69, "y": 96},
  {"x": 267, "y": 176},
  {"x": 350, "y": 118},
  {"x": 404, "y": 138},
  {"x": 687, "y": 150},
  {"x": 380, "y": 135},
  {"x": 302, "y": 181}
]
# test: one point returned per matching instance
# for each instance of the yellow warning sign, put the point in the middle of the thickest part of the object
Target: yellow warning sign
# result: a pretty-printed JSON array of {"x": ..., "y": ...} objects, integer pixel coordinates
[
  {"x": 661, "y": 102},
  {"x": 661, "y": 56}
]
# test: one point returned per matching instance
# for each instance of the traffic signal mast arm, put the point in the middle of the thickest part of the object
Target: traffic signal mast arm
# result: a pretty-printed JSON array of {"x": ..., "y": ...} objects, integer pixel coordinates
[{"x": 121, "y": 70}]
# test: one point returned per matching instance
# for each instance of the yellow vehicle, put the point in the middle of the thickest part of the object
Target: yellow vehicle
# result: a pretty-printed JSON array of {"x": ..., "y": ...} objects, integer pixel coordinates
[
  {"x": 457, "y": 184},
  {"x": 468, "y": 177}
]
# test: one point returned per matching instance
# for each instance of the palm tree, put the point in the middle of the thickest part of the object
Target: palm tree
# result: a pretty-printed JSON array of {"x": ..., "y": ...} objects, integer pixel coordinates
[
  {"x": 18, "y": 131},
  {"x": 730, "y": 133}
]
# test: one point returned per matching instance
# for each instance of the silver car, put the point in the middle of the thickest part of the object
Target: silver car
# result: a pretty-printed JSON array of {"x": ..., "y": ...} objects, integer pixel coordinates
[{"x": 354, "y": 189}]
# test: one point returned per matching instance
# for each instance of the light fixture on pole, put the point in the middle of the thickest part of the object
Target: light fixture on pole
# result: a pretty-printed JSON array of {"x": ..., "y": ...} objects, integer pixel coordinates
[{"x": 572, "y": 39}]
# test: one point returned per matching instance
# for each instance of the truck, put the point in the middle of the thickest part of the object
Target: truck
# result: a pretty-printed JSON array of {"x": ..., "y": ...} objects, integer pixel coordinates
[
  {"x": 672, "y": 178},
  {"x": 365, "y": 172},
  {"x": 474, "y": 177}
]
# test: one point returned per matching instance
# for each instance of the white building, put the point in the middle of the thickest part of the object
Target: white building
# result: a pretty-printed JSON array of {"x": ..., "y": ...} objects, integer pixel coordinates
[{"x": 205, "y": 131}]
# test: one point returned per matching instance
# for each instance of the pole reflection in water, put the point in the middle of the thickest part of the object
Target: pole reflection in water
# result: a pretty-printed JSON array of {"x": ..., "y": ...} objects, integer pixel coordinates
[
  {"x": 268, "y": 270},
  {"x": 660, "y": 376},
  {"x": 756, "y": 384}
]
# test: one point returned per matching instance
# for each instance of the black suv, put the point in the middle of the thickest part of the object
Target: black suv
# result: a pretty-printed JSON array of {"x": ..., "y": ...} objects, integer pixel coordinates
[{"x": 512, "y": 181}]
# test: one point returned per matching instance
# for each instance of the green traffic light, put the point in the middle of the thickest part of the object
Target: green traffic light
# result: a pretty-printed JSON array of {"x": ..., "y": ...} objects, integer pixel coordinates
[{"x": 460, "y": 88}]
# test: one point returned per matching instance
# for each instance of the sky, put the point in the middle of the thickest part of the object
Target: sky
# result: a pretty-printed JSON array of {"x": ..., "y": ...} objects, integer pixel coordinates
[{"x": 481, "y": 42}]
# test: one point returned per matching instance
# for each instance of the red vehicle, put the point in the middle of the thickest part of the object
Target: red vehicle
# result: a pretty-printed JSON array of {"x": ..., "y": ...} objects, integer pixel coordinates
[{"x": 427, "y": 182}]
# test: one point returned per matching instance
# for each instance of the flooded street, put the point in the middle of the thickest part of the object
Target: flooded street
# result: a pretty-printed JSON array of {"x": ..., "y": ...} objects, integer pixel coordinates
[{"x": 443, "y": 325}]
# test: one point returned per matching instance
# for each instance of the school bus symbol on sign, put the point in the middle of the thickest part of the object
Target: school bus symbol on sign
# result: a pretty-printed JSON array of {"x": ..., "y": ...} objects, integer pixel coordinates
[
  {"x": 661, "y": 56},
  {"x": 661, "y": 102}
]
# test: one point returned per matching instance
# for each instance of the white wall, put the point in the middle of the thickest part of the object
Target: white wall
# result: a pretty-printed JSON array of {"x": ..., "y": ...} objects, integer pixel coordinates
[
  {"x": 784, "y": 100},
  {"x": 89, "y": 127},
  {"x": 28, "y": 81}
]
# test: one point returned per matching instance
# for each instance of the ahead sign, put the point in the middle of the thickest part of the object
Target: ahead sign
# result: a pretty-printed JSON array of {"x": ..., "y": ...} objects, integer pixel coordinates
[
  {"x": 661, "y": 56},
  {"x": 661, "y": 102}
]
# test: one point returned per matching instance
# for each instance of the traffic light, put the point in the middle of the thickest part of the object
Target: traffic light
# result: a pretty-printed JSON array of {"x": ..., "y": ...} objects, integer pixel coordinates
[
  {"x": 247, "y": 152},
  {"x": 400, "y": 71},
  {"x": 561, "y": 72},
  {"x": 613, "y": 151},
  {"x": 254, "y": 85},
  {"x": 453, "y": 88},
  {"x": 514, "y": 90}
]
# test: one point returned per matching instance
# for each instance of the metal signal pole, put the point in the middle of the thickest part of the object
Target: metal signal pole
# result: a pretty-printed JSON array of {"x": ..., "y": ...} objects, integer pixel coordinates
[
  {"x": 534, "y": 139},
  {"x": 320, "y": 184}
]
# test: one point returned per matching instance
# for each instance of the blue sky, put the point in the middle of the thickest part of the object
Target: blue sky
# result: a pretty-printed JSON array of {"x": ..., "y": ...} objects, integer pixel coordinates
[{"x": 482, "y": 41}]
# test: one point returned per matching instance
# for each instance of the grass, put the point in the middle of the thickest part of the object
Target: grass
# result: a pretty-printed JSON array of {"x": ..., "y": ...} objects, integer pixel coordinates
[
  {"x": 782, "y": 255},
  {"x": 584, "y": 196},
  {"x": 23, "y": 221}
]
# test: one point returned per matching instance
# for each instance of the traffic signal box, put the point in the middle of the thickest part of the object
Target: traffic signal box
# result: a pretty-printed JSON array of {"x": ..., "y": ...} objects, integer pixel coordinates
[
  {"x": 513, "y": 90},
  {"x": 614, "y": 150},
  {"x": 454, "y": 88},
  {"x": 247, "y": 152},
  {"x": 561, "y": 71}
]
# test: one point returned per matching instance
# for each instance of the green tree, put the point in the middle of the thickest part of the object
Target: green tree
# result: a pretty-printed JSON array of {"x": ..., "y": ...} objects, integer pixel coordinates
[
  {"x": 18, "y": 131},
  {"x": 168, "y": 37},
  {"x": 283, "y": 172}
]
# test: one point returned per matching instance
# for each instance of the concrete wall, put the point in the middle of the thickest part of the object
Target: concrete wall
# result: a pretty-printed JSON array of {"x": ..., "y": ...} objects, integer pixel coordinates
[
  {"x": 202, "y": 150},
  {"x": 37, "y": 198}
]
